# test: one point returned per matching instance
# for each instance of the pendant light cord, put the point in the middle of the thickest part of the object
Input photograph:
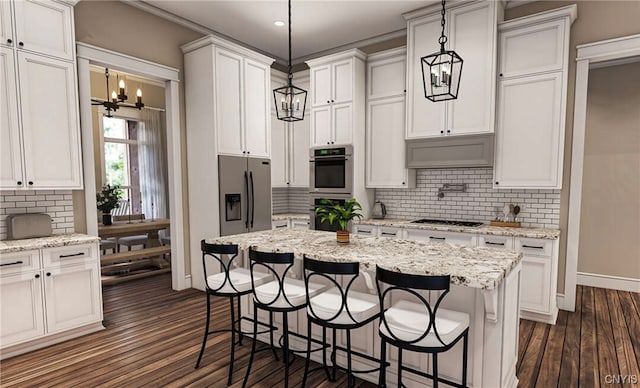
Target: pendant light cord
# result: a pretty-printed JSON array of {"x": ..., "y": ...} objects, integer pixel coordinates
[
  {"x": 290, "y": 73},
  {"x": 443, "y": 38}
]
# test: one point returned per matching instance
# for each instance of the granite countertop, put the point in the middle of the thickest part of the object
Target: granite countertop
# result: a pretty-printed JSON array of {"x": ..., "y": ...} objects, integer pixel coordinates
[
  {"x": 548, "y": 234},
  {"x": 292, "y": 216},
  {"x": 475, "y": 267},
  {"x": 58, "y": 240}
]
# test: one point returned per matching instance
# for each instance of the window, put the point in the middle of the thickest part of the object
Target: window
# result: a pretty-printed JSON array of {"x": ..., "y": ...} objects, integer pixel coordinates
[{"x": 120, "y": 163}]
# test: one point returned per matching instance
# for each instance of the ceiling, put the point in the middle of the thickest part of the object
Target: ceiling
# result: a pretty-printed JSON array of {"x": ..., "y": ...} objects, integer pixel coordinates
[{"x": 318, "y": 26}]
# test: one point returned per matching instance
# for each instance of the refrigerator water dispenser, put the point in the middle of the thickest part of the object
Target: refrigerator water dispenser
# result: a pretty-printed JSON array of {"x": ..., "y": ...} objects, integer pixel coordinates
[{"x": 233, "y": 207}]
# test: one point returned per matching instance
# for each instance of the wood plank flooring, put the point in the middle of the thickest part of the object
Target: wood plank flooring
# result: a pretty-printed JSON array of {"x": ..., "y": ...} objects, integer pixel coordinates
[{"x": 154, "y": 334}]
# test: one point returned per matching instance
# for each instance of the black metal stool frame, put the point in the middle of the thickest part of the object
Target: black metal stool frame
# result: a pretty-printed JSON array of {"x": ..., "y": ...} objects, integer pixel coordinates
[
  {"x": 322, "y": 269},
  {"x": 263, "y": 259},
  {"x": 215, "y": 251},
  {"x": 408, "y": 283}
]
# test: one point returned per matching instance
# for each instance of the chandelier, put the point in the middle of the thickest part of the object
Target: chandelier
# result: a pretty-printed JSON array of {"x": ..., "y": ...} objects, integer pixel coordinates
[
  {"x": 441, "y": 70},
  {"x": 117, "y": 99},
  {"x": 290, "y": 100}
]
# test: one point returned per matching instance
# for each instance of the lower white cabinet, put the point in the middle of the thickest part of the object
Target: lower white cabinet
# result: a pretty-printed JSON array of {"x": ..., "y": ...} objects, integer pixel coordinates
[
  {"x": 299, "y": 224},
  {"x": 465, "y": 239},
  {"x": 280, "y": 224},
  {"x": 290, "y": 223},
  {"x": 41, "y": 299}
]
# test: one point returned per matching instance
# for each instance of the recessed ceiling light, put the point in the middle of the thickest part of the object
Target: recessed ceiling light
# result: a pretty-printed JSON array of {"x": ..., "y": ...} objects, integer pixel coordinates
[{"x": 278, "y": 23}]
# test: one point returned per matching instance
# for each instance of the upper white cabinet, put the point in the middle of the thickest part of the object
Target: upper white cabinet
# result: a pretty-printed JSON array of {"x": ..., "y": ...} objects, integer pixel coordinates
[
  {"x": 6, "y": 24},
  {"x": 337, "y": 86},
  {"x": 290, "y": 141},
  {"x": 532, "y": 99},
  {"x": 385, "y": 123},
  {"x": 242, "y": 90},
  {"x": 471, "y": 31},
  {"x": 39, "y": 98},
  {"x": 45, "y": 27}
]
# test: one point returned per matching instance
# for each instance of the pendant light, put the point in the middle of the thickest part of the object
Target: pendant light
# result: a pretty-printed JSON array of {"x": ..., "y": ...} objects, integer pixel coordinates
[
  {"x": 290, "y": 100},
  {"x": 117, "y": 99},
  {"x": 441, "y": 70}
]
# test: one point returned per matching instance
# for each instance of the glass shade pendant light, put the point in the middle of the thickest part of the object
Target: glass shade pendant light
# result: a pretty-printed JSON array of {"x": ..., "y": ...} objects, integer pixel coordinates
[
  {"x": 441, "y": 71},
  {"x": 290, "y": 100}
]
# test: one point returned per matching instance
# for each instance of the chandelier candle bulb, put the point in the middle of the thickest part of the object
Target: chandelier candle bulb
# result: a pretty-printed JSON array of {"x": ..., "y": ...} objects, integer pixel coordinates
[
  {"x": 139, "y": 96},
  {"x": 114, "y": 96}
]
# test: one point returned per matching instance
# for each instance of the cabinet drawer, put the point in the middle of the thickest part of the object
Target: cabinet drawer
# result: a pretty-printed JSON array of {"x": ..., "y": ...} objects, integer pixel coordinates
[
  {"x": 500, "y": 242},
  {"x": 534, "y": 247},
  {"x": 17, "y": 262},
  {"x": 69, "y": 255},
  {"x": 390, "y": 232},
  {"x": 365, "y": 230},
  {"x": 281, "y": 224},
  {"x": 464, "y": 239}
]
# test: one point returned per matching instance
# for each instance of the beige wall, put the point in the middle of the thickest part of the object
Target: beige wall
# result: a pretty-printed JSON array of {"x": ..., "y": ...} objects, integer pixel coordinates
[
  {"x": 597, "y": 20},
  {"x": 610, "y": 220},
  {"x": 119, "y": 27}
]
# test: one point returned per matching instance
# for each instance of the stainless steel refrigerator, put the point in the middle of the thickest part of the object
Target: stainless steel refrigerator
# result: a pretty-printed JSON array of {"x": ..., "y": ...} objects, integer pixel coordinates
[{"x": 245, "y": 194}]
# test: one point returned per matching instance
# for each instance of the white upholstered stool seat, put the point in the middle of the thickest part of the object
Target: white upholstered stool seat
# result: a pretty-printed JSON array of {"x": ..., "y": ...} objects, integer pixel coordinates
[
  {"x": 240, "y": 278},
  {"x": 325, "y": 305},
  {"x": 293, "y": 288},
  {"x": 131, "y": 241},
  {"x": 408, "y": 321}
]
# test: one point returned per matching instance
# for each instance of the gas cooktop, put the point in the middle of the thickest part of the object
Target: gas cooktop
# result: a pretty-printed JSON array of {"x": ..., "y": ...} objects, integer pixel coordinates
[{"x": 447, "y": 222}]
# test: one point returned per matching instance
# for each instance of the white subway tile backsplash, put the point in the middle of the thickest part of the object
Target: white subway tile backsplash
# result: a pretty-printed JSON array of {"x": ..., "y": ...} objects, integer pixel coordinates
[
  {"x": 539, "y": 207},
  {"x": 57, "y": 203}
]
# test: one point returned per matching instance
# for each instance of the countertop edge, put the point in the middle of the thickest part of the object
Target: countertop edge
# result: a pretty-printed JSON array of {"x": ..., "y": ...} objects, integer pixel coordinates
[{"x": 55, "y": 241}]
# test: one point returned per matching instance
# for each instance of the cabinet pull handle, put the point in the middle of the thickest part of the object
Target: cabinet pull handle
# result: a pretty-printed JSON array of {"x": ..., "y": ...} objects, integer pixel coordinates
[
  {"x": 37, "y": 276},
  {"x": 21, "y": 44},
  {"x": 72, "y": 255},
  {"x": 14, "y": 263},
  {"x": 19, "y": 183},
  {"x": 9, "y": 41},
  {"x": 532, "y": 246},
  {"x": 388, "y": 234},
  {"x": 30, "y": 183},
  {"x": 48, "y": 273},
  {"x": 494, "y": 243},
  {"x": 364, "y": 231},
  {"x": 281, "y": 226},
  {"x": 437, "y": 238},
  {"x": 497, "y": 183}
]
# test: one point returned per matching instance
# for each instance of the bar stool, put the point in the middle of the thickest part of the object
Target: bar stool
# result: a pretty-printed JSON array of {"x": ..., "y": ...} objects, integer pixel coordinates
[
  {"x": 281, "y": 295},
  {"x": 338, "y": 308},
  {"x": 418, "y": 327},
  {"x": 231, "y": 282}
]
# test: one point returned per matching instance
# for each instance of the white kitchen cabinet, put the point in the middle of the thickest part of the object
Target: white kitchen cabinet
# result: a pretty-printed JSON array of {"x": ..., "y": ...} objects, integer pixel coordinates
[
  {"x": 11, "y": 169},
  {"x": 242, "y": 88},
  {"x": 337, "y": 83},
  {"x": 532, "y": 97},
  {"x": 299, "y": 133},
  {"x": 385, "y": 131},
  {"x": 6, "y": 24},
  {"x": 22, "y": 307},
  {"x": 539, "y": 280},
  {"x": 499, "y": 242},
  {"x": 54, "y": 131},
  {"x": 465, "y": 239},
  {"x": 280, "y": 224},
  {"x": 386, "y": 231},
  {"x": 279, "y": 156},
  {"x": 45, "y": 27},
  {"x": 47, "y": 292},
  {"x": 364, "y": 230},
  {"x": 471, "y": 32},
  {"x": 299, "y": 224}
]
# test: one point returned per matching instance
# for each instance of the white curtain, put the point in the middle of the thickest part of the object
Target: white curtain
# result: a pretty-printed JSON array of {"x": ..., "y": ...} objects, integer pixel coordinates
[{"x": 153, "y": 164}]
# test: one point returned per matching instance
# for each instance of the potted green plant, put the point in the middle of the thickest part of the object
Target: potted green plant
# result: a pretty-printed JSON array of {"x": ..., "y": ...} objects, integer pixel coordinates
[
  {"x": 107, "y": 200},
  {"x": 341, "y": 215}
]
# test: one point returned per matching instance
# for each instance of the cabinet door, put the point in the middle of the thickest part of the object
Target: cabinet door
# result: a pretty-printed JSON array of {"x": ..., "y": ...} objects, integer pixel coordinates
[
  {"x": 321, "y": 85},
  {"x": 228, "y": 91},
  {"x": 11, "y": 174},
  {"x": 49, "y": 122},
  {"x": 528, "y": 139},
  {"x": 342, "y": 118},
  {"x": 73, "y": 296},
  {"x": 256, "y": 108},
  {"x": 342, "y": 81},
  {"x": 385, "y": 156},
  {"x": 6, "y": 33},
  {"x": 386, "y": 78},
  {"x": 279, "y": 161},
  {"x": 533, "y": 49},
  {"x": 425, "y": 118},
  {"x": 21, "y": 308},
  {"x": 321, "y": 126},
  {"x": 45, "y": 27},
  {"x": 535, "y": 284},
  {"x": 299, "y": 133},
  {"x": 473, "y": 36}
]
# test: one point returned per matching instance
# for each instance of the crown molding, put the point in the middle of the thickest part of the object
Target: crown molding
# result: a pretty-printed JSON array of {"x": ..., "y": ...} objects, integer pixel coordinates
[{"x": 569, "y": 11}]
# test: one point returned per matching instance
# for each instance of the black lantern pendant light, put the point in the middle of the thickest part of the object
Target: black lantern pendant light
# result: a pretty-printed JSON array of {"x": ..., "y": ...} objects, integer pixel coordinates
[
  {"x": 441, "y": 71},
  {"x": 290, "y": 100}
]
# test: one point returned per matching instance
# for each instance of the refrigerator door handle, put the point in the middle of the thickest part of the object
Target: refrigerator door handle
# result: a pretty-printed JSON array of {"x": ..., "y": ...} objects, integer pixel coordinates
[
  {"x": 253, "y": 199},
  {"x": 246, "y": 190}
]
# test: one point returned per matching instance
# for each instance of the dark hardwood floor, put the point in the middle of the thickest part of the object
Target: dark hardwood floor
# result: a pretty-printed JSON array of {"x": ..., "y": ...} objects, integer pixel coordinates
[{"x": 153, "y": 337}]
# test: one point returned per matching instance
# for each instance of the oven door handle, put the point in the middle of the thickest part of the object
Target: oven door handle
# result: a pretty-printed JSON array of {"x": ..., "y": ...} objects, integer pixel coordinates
[{"x": 319, "y": 159}]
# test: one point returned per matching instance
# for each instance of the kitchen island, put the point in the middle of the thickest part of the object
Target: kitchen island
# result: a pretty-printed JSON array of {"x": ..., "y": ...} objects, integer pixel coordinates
[{"x": 485, "y": 285}]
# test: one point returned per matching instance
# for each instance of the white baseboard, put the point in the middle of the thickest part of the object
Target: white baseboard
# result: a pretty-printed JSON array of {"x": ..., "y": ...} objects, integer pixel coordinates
[
  {"x": 187, "y": 281},
  {"x": 608, "y": 281},
  {"x": 560, "y": 301}
]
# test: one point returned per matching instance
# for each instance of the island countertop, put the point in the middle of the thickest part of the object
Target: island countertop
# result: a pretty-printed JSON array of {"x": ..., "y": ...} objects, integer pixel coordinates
[
  {"x": 57, "y": 240},
  {"x": 476, "y": 267}
]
